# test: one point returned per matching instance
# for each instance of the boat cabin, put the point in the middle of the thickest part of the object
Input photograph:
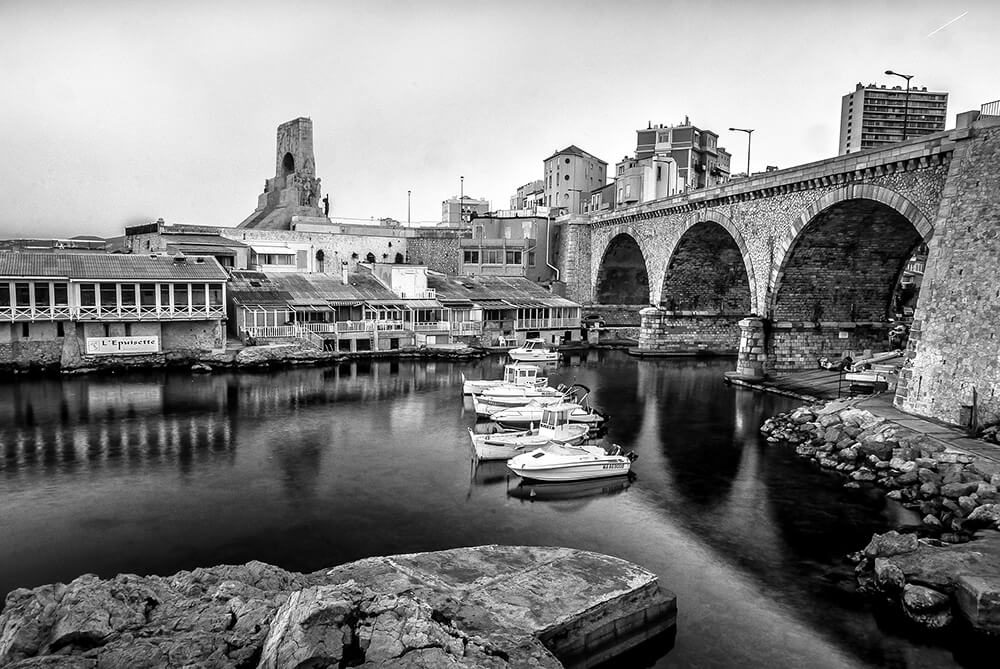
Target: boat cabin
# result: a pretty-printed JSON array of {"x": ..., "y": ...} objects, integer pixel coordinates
[
  {"x": 556, "y": 415},
  {"x": 523, "y": 375}
]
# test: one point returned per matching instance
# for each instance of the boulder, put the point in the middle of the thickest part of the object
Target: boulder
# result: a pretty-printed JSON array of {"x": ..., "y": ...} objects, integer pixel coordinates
[
  {"x": 978, "y": 600},
  {"x": 987, "y": 515},
  {"x": 926, "y": 607},
  {"x": 890, "y": 543}
]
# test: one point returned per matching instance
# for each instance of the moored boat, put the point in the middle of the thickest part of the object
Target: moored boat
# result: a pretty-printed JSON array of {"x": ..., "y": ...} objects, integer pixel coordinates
[
  {"x": 515, "y": 374},
  {"x": 555, "y": 425},
  {"x": 533, "y": 350},
  {"x": 567, "y": 462}
]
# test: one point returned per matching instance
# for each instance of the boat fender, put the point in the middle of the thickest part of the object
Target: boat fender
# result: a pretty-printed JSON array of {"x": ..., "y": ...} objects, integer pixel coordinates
[{"x": 631, "y": 455}]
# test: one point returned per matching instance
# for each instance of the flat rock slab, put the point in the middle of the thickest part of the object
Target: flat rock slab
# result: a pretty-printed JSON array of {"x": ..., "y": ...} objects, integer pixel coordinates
[{"x": 487, "y": 606}]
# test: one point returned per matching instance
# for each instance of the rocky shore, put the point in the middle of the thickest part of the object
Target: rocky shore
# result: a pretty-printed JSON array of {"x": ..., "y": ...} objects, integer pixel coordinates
[
  {"x": 948, "y": 568},
  {"x": 488, "y": 606}
]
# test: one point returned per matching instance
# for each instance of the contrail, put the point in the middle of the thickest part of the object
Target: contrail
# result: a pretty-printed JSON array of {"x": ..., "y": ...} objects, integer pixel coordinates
[{"x": 947, "y": 24}]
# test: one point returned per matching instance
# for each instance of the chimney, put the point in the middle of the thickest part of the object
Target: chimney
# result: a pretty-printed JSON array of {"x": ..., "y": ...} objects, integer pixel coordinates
[{"x": 343, "y": 273}]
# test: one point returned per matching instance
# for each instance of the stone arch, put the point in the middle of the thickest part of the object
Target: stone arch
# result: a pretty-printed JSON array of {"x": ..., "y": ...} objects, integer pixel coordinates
[
  {"x": 712, "y": 233},
  {"x": 287, "y": 164},
  {"x": 622, "y": 275},
  {"x": 882, "y": 210}
]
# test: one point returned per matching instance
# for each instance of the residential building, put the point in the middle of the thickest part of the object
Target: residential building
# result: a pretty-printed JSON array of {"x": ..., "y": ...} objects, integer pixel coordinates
[
  {"x": 570, "y": 176},
  {"x": 700, "y": 161},
  {"x": 508, "y": 243},
  {"x": 529, "y": 197},
  {"x": 650, "y": 178},
  {"x": 456, "y": 212},
  {"x": 874, "y": 116},
  {"x": 59, "y": 306}
]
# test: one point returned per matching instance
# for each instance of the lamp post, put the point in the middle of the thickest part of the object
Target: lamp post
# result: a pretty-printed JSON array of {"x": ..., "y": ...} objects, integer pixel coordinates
[
  {"x": 906, "y": 100},
  {"x": 749, "y": 133},
  {"x": 461, "y": 200},
  {"x": 407, "y": 208}
]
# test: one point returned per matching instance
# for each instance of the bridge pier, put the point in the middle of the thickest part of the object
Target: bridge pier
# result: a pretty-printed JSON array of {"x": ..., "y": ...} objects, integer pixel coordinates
[
  {"x": 665, "y": 332},
  {"x": 751, "y": 359}
]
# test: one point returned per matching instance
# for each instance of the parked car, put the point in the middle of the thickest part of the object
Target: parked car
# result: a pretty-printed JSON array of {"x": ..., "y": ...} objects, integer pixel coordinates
[{"x": 592, "y": 321}]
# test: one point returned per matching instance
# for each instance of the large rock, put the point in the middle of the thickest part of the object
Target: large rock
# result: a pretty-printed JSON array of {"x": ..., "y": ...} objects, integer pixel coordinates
[
  {"x": 890, "y": 543},
  {"x": 490, "y": 606},
  {"x": 926, "y": 607}
]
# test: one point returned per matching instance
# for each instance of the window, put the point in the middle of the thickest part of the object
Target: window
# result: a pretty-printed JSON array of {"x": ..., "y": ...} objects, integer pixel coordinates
[
  {"x": 276, "y": 259},
  {"x": 198, "y": 295},
  {"x": 42, "y": 295},
  {"x": 60, "y": 294},
  {"x": 4, "y": 294},
  {"x": 109, "y": 296},
  {"x": 492, "y": 256},
  {"x": 567, "y": 161},
  {"x": 88, "y": 295},
  {"x": 470, "y": 256},
  {"x": 128, "y": 295},
  {"x": 566, "y": 178},
  {"x": 531, "y": 258},
  {"x": 147, "y": 294},
  {"x": 22, "y": 294},
  {"x": 25, "y": 330},
  {"x": 165, "y": 296},
  {"x": 60, "y": 329},
  {"x": 215, "y": 294},
  {"x": 181, "y": 296},
  {"x": 513, "y": 257}
]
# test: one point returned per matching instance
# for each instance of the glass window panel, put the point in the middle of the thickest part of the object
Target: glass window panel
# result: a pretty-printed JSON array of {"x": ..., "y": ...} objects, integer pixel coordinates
[
  {"x": 164, "y": 295},
  {"x": 181, "y": 295},
  {"x": 88, "y": 294},
  {"x": 42, "y": 295},
  {"x": 60, "y": 294},
  {"x": 22, "y": 294},
  {"x": 147, "y": 294},
  {"x": 4, "y": 294},
  {"x": 215, "y": 294},
  {"x": 128, "y": 294},
  {"x": 109, "y": 296},
  {"x": 197, "y": 295}
]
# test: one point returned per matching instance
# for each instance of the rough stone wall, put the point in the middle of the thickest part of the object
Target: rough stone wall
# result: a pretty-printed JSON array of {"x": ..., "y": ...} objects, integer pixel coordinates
[
  {"x": 795, "y": 347},
  {"x": 337, "y": 248},
  {"x": 439, "y": 254},
  {"x": 706, "y": 273},
  {"x": 573, "y": 245},
  {"x": 665, "y": 331},
  {"x": 43, "y": 348},
  {"x": 191, "y": 336},
  {"x": 954, "y": 356}
]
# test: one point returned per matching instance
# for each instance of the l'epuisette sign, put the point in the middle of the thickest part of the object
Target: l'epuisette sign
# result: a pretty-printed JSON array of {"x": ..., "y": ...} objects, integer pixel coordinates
[{"x": 122, "y": 345}]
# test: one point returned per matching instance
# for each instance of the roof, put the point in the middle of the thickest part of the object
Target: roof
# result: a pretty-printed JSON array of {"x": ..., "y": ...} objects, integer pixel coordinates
[
  {"x": 203, "y": 240},
  {"x": 289, "y": 289},
  {"x": 110, "y": 266},
  {"x": 574, "y": 150},
  {"x": 272, "y": 250},
  {"x": 201, "y": 249},
  {"x": 495, "y": 291}
]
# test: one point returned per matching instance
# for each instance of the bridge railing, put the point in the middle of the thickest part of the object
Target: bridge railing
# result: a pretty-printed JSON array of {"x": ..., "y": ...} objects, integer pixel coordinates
[{"x": 990, "y": 109}]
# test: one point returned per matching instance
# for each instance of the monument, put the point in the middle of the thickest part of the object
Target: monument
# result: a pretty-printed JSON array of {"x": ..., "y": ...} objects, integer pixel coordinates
[{"x": 292, "y": 198}]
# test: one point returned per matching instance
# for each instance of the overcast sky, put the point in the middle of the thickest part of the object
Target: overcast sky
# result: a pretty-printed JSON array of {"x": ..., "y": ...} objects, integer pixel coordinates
[{"x": 121, "y": 111}]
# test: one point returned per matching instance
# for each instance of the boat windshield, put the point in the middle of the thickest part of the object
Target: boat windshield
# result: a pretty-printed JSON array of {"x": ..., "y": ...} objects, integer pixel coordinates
[{"x": 559, "y": 448}]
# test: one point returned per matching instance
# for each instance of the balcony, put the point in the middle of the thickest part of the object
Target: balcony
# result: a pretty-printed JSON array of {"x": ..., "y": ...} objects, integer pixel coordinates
[
  {"x": 547, "y": 324},
  {"x": 126, "y": 313},
  {"x": 432, "y": 326},
  {"x": 429, "y": 294},
  {"x": 467, "y": 327}
]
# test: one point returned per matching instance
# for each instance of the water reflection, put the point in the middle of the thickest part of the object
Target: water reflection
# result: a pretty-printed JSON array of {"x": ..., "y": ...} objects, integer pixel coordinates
[{"x": 570, "y": 490}]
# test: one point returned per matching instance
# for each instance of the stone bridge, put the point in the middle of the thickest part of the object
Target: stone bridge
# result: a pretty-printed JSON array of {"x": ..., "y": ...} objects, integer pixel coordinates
[{"x": 802, "y": 263}]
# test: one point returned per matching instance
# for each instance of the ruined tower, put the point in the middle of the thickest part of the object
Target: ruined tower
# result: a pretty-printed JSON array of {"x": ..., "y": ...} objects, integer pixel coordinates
[{"x": 293, "y": 195}]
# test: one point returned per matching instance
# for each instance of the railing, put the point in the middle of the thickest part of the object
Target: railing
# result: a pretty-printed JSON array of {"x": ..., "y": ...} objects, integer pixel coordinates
[
  {"x": 309, "y": 337},
  {"x": 429, "y": 294},
  {"x": 467, "y": 327},
  {"x": 271, "y": 331},
  {"x": 355, "y": 326},
  {"x": 546, "y": 323},
  {"x": 432, "y": 326},
  {"x": 107, "y": 313},
  {"x": 382, "y": 326},
  {"x": 990, "y": 109},
  {"x": 319, "y": 327}
]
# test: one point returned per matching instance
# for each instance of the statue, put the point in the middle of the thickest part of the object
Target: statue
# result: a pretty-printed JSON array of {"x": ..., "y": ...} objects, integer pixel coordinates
[{"x": 326, "y": 204}]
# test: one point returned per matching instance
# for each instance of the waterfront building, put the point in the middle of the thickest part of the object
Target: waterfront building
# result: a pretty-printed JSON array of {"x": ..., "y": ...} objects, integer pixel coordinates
[
  {"x": 529, "y": 196},
  {"x": 700, "y": 161},
  {"x": 59, "y": 306},
  {"x": 508, "y": 243},
  {"x": 79, "y": 244},
  {"x": 456, "y": 212},
  {"x": 570, "y": 176},
  {"x": 874, "y": 116}
]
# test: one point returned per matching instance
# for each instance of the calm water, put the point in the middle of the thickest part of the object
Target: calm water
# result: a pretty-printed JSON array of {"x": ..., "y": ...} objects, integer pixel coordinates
[{"x": 310, "y": 468}]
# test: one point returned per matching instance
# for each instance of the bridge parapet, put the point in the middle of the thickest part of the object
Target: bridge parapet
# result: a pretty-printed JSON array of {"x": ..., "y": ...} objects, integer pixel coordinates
[{"x": 927, "y": 151}]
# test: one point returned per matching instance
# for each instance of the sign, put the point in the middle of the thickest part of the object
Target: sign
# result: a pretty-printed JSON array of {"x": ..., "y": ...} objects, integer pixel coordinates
[
  {"x": 843, "y": 334},
  {"x": 123, "y": 345}
]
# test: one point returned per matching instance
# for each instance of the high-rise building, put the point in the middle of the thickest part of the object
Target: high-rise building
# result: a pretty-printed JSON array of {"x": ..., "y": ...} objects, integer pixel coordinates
[
  {"x": 874, "y": 116},
  {"x": 570, "y": 176},
  {"x": 700, "y": 161}
]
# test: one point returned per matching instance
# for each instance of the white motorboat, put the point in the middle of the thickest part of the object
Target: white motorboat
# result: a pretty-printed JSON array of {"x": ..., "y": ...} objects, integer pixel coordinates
[
  {"x": 515, "y": 374},
  {"x": 554, "y": 426},
  {"x": 568, "y": 462},
  {"x": 533, "y": 350},
  {"x": 487, "y": 407},
  {"x": 531, "y": 412}
]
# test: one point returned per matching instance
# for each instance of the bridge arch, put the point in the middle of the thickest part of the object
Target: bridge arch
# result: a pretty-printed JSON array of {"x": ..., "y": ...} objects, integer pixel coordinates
[
  {"x": 709, "y": 268},
  {"x": 841, "y": 258},
  {"x": 622, "y": 275}
]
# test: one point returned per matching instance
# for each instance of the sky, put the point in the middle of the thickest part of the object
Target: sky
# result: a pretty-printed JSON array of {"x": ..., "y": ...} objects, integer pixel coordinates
[{"x": 119, "y": 112}]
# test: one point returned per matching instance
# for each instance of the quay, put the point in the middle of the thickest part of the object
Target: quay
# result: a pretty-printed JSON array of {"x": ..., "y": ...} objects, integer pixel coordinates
[{"x": 498, "y": 606}]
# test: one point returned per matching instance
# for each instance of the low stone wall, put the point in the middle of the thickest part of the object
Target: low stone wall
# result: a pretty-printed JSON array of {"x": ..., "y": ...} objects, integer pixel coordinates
[
  {"x": 796, "y": 346},
  {"x": 678, "y": 332},
  {"x": 488, "y": 606}
]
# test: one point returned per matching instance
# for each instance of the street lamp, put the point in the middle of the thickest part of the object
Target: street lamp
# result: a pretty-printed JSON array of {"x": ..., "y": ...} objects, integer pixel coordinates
[
  {"x": 461, "y": 200},
  {"x": 407, "y": 208},
  {"x": 906, "y": 103},
  {"x": 749, "y": 133}
]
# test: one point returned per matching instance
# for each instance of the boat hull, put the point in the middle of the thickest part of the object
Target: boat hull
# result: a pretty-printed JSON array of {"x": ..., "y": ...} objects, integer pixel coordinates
[
  {"x": 534, "y": 356},
  {"x": 580, "y": 471},
  {"x": 503, "y": 446}
]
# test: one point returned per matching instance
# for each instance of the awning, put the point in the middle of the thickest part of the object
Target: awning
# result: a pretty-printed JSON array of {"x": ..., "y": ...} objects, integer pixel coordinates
[
  {"x": 309, "y": 306},
  {"x": 397, "y": 303},
  {"x": 264, "y": 306},
  {"x": 492, "y": 304},
  {"x": 423, "y": 304},
  {"x": 273, "y": 250},
  {"x": 195, "y": 249},
  {"x": 455, "y": 302},
  {"x": 345, "y": 303},
  {"x": 556, "y": 301}
]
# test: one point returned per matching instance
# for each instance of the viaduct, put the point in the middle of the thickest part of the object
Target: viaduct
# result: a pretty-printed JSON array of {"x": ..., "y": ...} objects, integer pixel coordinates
[{"x": 797, "y": 264}]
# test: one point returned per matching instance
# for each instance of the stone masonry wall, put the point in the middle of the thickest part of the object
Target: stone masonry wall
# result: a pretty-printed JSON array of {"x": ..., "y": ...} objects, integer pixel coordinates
[
  {"x": 670, "y": 332},
  {"x": 799, "y": 346},
  {"x": 573, "y": 259},
  {"x": 439, "y": 255},
  {"x": 954, "y": 357}
]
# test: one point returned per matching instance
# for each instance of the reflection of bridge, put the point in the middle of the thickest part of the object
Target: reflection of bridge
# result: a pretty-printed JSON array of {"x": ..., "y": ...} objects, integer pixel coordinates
[{"x": 814, "y": 254}]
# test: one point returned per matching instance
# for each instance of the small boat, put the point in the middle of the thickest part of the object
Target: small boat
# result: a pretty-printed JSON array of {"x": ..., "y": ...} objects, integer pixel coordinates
[
  {"x": 487, "y": 407},
  {"x": 515, "y": 374},
  {"x": 554, "y": 426},
  {"x": 531, "y": 412},
  {"x": 569, "y": 462},
  {"x": 533, "y": 350}
]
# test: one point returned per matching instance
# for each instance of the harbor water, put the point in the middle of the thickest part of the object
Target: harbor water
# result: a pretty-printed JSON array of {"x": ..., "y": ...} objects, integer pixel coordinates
[{"x": 156, "y": 472}]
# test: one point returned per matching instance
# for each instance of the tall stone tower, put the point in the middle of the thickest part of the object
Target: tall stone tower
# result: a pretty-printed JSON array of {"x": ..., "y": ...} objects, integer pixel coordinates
[{"x": 293, "y": 195}]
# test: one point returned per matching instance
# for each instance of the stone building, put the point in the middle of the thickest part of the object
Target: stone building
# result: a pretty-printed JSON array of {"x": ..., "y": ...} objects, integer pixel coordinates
[
  {"x": 61, "y": 309},
  {"x": 570, "y": 176}
]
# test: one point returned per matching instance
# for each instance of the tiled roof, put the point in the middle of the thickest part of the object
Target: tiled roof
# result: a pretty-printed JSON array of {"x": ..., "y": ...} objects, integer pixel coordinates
[
  {"x": 111, "y": 266},
  {"x": 305, "y": 288},
  {"x": 574, "y": 150},
  {"x": 511, "y": 289}
]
